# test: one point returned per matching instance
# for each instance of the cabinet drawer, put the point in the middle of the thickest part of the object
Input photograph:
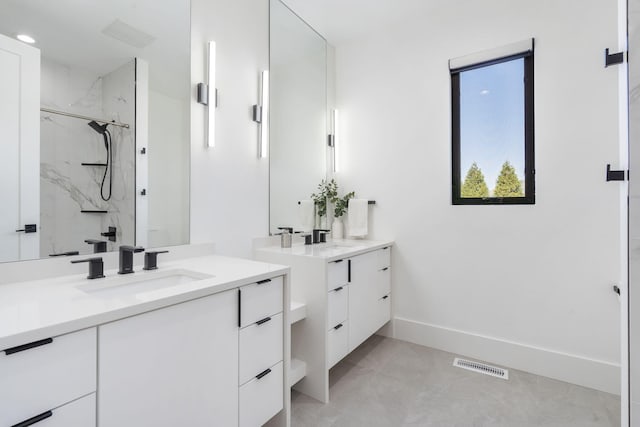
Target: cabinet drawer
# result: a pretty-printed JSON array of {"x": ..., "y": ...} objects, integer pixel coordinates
[
  {"x": 383, "y": 311},
  {"x": 38, "y": 378},
  {"x": 338, "y": 306},
  {"x": 337, "y": 274},
  {"x": 338, "y": 343},
  {"x": 262, "y": 398},
  {"x": 260, "y": 300},
  {"x": 261, "y": 346},
  {"x": 383, "y": 279},
  {"x": 384, "y": 257},
  {"x": 79, "y": 413}
]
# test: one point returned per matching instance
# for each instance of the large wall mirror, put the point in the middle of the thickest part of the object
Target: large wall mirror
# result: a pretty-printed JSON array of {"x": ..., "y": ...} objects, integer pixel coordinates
[
  {"x": 94, "y": 118},
  {"x": 298, "y": 114}
]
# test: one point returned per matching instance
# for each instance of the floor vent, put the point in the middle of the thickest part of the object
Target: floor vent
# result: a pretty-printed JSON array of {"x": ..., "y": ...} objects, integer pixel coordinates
[{"x": 481, "y": 368}]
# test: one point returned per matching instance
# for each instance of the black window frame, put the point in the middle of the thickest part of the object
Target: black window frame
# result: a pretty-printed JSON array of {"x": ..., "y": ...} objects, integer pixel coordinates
[{"x": 529, "y": 135}]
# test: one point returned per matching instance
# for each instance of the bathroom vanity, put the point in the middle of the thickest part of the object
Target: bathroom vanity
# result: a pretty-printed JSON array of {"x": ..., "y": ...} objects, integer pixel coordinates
[
  {"x": 346, "y": 288},
  {"x": 200, "y": 341}
]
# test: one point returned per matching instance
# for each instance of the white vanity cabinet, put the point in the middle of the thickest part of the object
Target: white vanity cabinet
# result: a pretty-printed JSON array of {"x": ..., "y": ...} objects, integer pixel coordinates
[
  {"x": 206, "y": 352},
  {"x": 346, "y": 288},
  {"x": 170, "y": 367},
  {"x": 52, "y": 380}
]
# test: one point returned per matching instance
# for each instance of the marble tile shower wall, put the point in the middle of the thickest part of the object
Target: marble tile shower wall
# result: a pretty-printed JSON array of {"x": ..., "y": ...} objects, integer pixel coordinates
[{"x": 67, "y": 187}]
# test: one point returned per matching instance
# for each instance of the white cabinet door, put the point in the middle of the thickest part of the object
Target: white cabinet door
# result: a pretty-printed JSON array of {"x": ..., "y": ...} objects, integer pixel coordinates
[
  {"x": 363, "y": 298},
  {"x": 176, "y": 366},
  {"x": 20, "y": 160}
]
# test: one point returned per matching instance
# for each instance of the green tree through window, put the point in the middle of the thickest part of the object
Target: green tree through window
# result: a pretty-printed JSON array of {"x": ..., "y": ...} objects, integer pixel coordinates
[
  {"x": 508, "y": 184},
  {"x": 474, "y": 184}
]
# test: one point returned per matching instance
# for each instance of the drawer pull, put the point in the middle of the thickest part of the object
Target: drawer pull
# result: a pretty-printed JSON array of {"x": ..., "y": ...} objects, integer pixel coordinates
[
  {"x": 29, "y": 346},
  {"x": 36, "y": 419},
  {"x": 239, "y": 308},
  {"x": 338, "y": 261},
  {"x": 349, "y": 272},
  {"x": 385, "y": 269},
  {"x": 265, "y": 320},
  {"x": 339, "y": 289},
  {"x": 263, "y": 374},
  {"x": 262, "y": 282},
  {"x": 385, "y": 297},
  {"x": 338, "y": 327}
]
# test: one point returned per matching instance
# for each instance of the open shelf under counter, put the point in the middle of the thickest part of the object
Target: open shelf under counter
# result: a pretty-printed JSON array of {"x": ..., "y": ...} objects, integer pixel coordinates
[
  {"x": 298, "y": 312},
  {"x": 297, "y": 371}
]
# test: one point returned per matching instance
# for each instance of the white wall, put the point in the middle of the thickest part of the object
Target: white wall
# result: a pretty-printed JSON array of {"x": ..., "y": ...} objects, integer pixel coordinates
[
  {"x": 524, "y": 286},
  {"x": 229, "y": 184}
]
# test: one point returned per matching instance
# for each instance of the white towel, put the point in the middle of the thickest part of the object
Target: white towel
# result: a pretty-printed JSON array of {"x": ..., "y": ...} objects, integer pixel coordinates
[
  {"x": 358, "y": 214},
  {"x": 307, "y": 215}
]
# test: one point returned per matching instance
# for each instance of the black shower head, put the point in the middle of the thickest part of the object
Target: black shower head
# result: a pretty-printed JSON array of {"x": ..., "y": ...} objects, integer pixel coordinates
[{"x": 100, "y": 129}]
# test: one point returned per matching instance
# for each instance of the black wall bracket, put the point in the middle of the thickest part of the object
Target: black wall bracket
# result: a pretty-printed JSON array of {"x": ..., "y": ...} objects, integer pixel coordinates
[
  {"x": 615, "y": 175},
  {"x": 612, "y": 58}
]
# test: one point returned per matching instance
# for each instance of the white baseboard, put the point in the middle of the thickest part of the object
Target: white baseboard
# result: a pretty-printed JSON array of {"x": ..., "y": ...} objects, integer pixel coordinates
[{"x": 596, "y": 374}]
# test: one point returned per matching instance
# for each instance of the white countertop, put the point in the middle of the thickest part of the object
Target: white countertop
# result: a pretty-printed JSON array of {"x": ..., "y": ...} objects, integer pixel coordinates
[
  {"x": 30, "y": 311},
  {"x": 330, "y": 251}
]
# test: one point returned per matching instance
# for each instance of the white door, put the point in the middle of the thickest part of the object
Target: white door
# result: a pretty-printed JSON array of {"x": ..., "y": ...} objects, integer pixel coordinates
[{"x": 19, "y": 149}]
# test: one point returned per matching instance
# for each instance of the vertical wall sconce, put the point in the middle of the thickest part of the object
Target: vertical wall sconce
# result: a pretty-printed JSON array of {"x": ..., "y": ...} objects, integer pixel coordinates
[
  {"x": 261, "y": 115},
  {"x": 334, "y": 140},
  {"x": 208, "y": 94}
]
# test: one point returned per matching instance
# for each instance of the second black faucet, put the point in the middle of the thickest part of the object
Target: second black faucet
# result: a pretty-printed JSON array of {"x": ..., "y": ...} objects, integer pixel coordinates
[{"x": 126, "y": 258}]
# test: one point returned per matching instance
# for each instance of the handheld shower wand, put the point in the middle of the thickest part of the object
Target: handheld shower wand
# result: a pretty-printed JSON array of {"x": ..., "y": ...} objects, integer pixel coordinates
[{"x": 102, "y": 129}]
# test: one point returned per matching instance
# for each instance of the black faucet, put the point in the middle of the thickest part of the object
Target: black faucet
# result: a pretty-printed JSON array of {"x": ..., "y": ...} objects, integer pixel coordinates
[
  {"x": 126, "y": 258},
  {"x": 96, "y": 267},
  {"x": 151, "y": 259},
  {"x": 318, "y": 235},
  {"x": 99, "y": 246}
]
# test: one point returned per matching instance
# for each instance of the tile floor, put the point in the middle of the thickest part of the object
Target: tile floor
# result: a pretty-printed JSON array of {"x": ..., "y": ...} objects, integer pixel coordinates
[{"x": 386, "y": 382}]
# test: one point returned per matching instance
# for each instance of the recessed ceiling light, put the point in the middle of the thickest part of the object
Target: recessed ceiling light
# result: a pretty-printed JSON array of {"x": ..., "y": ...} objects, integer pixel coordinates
[
  {"x": 25, "y": 38},
  {"x": 484, "y": 92}
]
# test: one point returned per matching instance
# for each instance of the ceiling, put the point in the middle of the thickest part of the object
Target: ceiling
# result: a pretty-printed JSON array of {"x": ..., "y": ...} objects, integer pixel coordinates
[
  {"x": 70, "y": 32},
  {"x": 342, "y": 20}
]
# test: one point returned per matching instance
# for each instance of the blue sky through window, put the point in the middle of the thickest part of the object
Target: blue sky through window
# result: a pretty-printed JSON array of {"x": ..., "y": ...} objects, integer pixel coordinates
[{"x": 492, "y": 119}]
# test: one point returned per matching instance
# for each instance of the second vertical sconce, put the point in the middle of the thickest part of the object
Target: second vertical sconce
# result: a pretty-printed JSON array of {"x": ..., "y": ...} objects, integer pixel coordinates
[
  {"x": 208, "y": 94},
  {"x": 261, "y": 115}
]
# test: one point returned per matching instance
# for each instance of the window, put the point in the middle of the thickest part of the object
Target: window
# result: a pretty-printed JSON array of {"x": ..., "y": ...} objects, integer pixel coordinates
[{"x": 492, "y": 130}]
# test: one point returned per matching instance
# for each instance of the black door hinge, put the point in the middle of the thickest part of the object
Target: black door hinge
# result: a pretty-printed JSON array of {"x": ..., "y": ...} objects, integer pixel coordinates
[
  {"x": 613, "y": 58},
  {"x": 616, "y": 175}
]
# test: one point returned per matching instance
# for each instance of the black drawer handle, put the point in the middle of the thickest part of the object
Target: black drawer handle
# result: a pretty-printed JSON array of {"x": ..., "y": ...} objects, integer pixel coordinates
[
  {"x": 239, "y": 307},
  {"x": 36, "y": 419},
  {"x": 385, "y": 269},
  {"x": 338, "y": 261},
  {"x": 265, "y": 320},
  {"x": 262, "y": 282},
  {"x": 339, "y": 289},
  {"x": 338, "y": 327},
  {"x": 385, "y": 297},
  {"x": 29, "y": 346},
  {"x": 349, "y": 272},
  {"x": 263, "y": 374}
]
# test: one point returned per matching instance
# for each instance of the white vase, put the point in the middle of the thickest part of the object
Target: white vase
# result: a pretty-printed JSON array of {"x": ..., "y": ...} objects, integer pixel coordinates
[{"x": 337, "y": 229}]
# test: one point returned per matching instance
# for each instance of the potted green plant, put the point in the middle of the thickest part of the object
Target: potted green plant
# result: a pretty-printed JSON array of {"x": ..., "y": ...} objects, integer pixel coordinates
[
  {"x": 327, "y": 191},
  {"x": 340, "y": 207}
]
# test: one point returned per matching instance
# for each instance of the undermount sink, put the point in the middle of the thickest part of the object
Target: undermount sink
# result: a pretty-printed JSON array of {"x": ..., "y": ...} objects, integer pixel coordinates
[{"x": 145, "y": 282}]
